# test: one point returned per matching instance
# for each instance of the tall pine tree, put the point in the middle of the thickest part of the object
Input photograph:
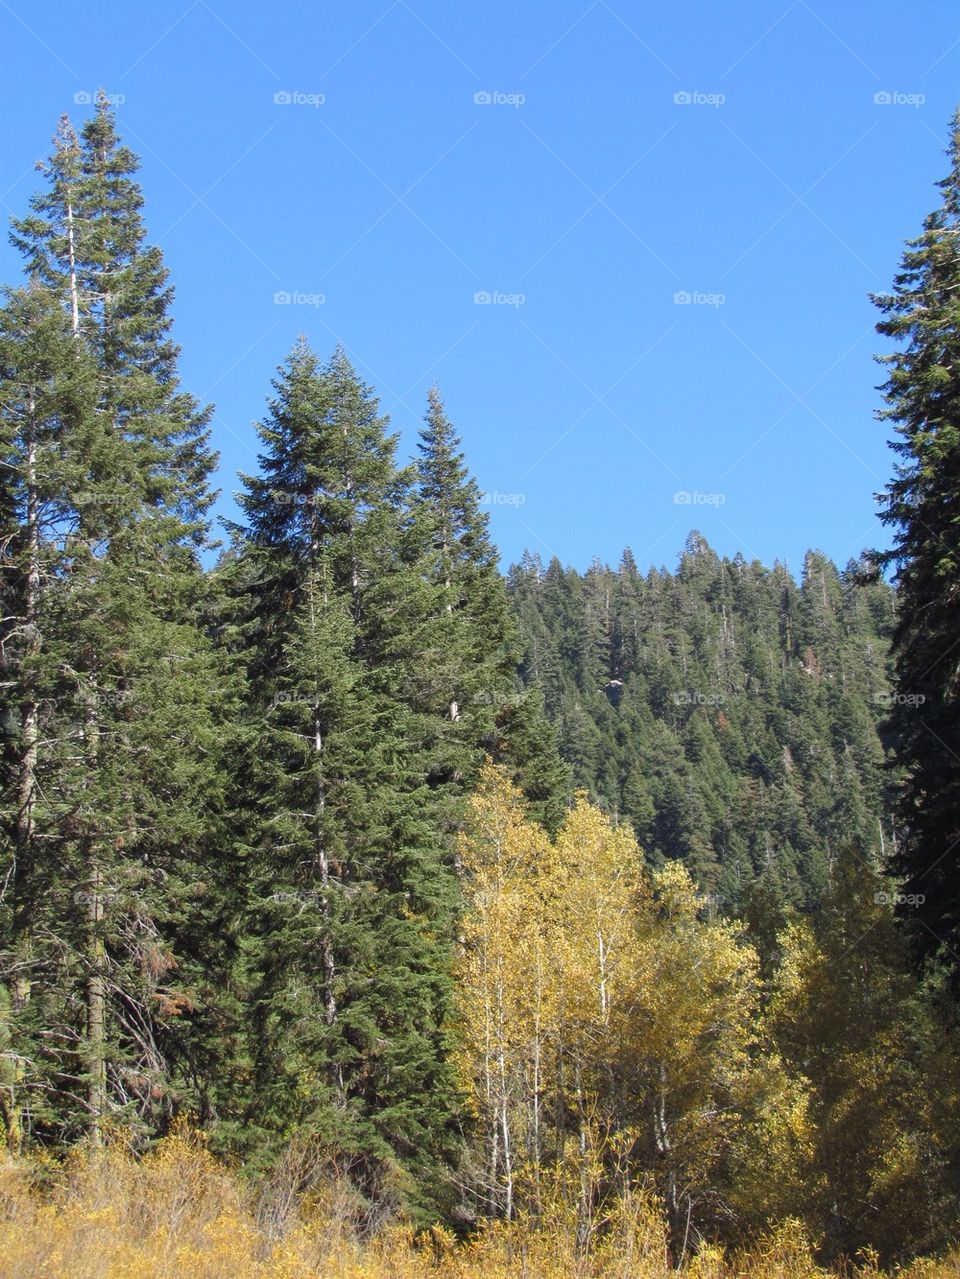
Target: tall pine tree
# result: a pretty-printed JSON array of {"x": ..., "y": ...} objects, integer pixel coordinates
[
  {"x": 922, "y": 506},
  {"x": 115, "y": 800},
  {"x": 351, "y": 915}
]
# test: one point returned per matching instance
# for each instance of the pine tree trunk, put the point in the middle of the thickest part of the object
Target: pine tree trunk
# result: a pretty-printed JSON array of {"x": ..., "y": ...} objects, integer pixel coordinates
[
  {"x": 327, "y": 957},
  {"x": 96, "y": 1004},
  {"x": 24, "y": 895},
  {"x": 26, "y": 782},
  {"x": 72, "y": 267},
  {"x": 454, "y": 708},
  {"x": 96, "y": 998}
]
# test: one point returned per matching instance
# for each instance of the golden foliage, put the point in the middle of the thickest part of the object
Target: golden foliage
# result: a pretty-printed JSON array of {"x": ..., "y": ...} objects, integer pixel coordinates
[
  {"x": 599, "y": 1012},
  {"x": 613, "y": 1031},
  {"x": 177, "y": 1214}
]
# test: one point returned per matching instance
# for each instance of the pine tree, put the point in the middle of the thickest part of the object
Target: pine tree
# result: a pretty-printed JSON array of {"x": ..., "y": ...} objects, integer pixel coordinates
[
  {"x": 127, "y": 763},
  {"x": 527, "y": 747},
  {"x": 47, "y": 393},
  {"x": 468, "y": 643},
  {"x": 352, "y": 911},
  {"x": 922, "y": 506},
  {"x": 730, "y": 715}
]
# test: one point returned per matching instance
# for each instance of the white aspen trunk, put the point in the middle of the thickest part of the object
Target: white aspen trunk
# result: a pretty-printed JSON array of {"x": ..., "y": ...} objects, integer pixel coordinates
[
  {"x": 603, "y": 951},
  {"x": 664, "y": 1145},
  {"x": 585, "y": 1199},
  {"x": 504, "y": 1120},
  {"x": 505, "y": 1137},
  {"x": 492, "y": 1134},
  {"x": 537, "y": 1070}
]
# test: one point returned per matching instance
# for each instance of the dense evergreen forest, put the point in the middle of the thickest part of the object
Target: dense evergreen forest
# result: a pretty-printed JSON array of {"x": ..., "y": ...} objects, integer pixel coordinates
[
  {"x": 732, "y": 715},
  {"x": 498, "y": 895}
]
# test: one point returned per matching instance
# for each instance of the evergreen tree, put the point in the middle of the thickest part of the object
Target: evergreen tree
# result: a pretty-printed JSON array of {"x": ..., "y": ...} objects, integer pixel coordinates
[
  {"x": 47, "y": 392},
  {"x": 350, "y": 920},
  {"x": 728, "y": 713},
  {"x": 469, "y": 642},
  {"x": 127, "y": 764},
  {"x": 469, "y": 649},
  {"x": 923, "y": 508},
  {"x": 527, "y": 749}
]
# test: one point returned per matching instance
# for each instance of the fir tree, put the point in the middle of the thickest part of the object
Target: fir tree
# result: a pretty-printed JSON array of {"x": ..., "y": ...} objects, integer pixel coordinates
[
  {"x": 127, "y": 762},
  {"x": 468, "y": 640},
  {"x": 352, "y": 909},
  {"x": 731, "y": 715},
  {"x": 922, "y": 506},
  {"x": 47, "y": 393}
]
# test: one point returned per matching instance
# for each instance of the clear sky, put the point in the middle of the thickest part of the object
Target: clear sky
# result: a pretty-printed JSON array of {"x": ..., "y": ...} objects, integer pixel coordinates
[{"x": 578, "y": 192}]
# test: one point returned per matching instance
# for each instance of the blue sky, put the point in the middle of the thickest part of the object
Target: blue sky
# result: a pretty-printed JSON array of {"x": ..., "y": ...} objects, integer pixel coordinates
[{"x": 578, "y": 192}]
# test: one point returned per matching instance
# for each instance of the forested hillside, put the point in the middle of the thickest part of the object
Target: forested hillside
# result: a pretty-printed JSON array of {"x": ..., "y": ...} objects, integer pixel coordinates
[{"x": 732, "y": 714}]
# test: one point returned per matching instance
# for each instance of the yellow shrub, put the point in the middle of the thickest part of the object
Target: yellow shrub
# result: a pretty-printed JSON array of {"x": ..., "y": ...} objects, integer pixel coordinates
[{"x": 177, "y": 1214}]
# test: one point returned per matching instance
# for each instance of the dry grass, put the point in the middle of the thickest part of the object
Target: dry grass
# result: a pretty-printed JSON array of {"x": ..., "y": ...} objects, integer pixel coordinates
[{"x": 178, "y": 1215}]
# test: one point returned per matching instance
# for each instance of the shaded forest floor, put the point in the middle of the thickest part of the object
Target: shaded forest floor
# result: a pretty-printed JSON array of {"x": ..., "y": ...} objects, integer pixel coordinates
[{"x": 179, "y": 1215}]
